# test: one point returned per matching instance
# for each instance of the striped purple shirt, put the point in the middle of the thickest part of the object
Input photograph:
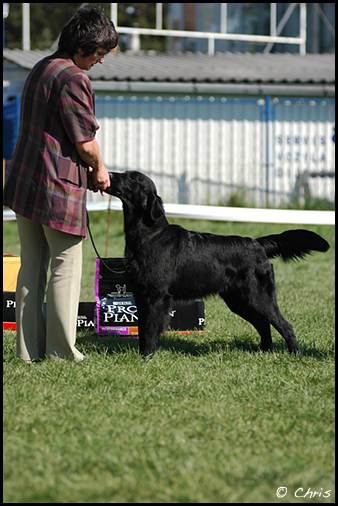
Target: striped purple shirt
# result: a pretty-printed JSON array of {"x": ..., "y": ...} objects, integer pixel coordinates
[{"x": 47, "y": 181}]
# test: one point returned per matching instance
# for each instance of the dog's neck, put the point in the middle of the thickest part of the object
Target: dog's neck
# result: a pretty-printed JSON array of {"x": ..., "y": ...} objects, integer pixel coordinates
[{"x": 139, "y": 228}]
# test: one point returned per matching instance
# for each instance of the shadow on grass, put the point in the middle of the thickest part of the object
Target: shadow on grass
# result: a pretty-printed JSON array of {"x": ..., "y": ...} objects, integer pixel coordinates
[
  {"x": 245, "y": 344},
  {"x": 91, "y": 342}
]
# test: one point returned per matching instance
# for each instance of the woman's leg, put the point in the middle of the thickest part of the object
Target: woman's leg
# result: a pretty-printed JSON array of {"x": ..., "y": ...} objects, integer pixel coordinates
[
  {"x": 63, "y": 294},
  {"x": 30, "y": 291}
]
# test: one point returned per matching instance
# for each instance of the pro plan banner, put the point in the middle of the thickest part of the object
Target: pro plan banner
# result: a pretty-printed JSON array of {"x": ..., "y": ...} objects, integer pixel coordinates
[
  {"x": 116, "y": 311},
  {"x": 85, "y": 318},
  {"x": 8, "y": 311}
]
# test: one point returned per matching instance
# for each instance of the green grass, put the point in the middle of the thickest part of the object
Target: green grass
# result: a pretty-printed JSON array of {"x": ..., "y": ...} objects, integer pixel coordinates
[{"x": 209, "y": 419}]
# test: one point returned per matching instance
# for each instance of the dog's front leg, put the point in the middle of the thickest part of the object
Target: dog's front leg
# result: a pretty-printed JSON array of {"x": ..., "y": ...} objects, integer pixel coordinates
[{"x": 152, "y": 318}]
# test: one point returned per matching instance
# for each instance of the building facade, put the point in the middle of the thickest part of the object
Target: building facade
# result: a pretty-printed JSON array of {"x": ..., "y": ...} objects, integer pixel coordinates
[
  {"x": 214, "y": 130},
  {"x": 215, "y": 150}
]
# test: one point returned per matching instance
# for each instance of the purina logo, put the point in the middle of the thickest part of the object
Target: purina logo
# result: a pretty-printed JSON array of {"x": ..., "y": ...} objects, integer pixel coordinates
[{"x": 121, "y": 289}]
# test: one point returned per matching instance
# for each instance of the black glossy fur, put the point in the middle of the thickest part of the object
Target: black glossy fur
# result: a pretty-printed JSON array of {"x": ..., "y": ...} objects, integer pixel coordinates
[{"x": 168, "y": 263}]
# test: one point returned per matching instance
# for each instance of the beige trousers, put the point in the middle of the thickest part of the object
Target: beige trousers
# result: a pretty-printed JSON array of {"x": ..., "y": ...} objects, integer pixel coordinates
[{"x": 50, "y": 333}]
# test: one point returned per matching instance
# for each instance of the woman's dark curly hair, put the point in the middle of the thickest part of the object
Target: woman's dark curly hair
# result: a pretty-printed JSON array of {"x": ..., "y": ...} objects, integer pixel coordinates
[{"x": 89, "y": 29}]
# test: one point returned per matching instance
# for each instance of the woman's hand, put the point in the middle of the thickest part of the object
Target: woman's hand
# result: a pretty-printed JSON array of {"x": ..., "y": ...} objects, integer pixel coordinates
[
  {"x": 90, "y": 154},
  {"x": 100, "y": 178}
]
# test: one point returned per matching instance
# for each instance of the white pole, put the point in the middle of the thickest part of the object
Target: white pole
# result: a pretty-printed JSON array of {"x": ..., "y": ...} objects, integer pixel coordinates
[
  {"x": 302, "y": 28},
  {"x": 26, "y": 43},
  {"x": 211, "y": 46},
  {"x": 159, "y": 16},
  {"x": 273, "y": 19},
  {"x": 224, "y": 15},
  {"x": 113, "y": 13},
  {"x": 135, "y": 43}
]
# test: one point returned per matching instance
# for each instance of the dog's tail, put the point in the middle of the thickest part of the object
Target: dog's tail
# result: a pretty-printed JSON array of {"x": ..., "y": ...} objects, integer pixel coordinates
[{"x": 293, "y": 244}]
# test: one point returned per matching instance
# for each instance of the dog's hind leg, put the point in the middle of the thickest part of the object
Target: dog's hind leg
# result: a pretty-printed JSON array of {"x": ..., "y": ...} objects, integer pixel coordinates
[
  {"x": 254, "y": 299},
  {"x": 260, "y": 323},
  {"x": 264, "y": 330},
  {"x": 265, "y": 302},
  {"x": 285, "y": 329},
  {"x": 153, "y": 315}
]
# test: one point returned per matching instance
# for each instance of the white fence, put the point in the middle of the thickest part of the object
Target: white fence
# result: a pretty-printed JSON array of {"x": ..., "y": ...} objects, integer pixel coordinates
[{"x": 205, "y": 150}]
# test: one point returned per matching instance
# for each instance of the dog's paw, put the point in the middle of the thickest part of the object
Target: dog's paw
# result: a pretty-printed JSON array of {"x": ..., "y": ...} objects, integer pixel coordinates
[{"x": 295, "y": 351}]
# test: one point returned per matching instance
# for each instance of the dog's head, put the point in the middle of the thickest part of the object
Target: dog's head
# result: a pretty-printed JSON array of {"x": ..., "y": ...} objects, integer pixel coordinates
[{"x": 138, "y": 194}]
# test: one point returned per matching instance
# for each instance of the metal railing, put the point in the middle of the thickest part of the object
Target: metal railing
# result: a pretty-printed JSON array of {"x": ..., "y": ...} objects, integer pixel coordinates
[
  {"x": 135, "y": 32},
  {"x": 270, "y": 40}
]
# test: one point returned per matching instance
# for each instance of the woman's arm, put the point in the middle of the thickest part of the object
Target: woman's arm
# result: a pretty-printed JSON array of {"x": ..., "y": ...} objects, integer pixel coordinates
[{"x": 89, "y": 152}]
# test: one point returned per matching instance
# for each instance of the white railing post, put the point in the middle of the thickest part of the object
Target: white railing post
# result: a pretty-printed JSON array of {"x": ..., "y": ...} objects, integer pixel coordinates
[
  {"x": 211, "y": 46},
  {"x": 159, "y": 16},
  {"x": 302, "y": 28},
  {"x": 135, "y": 43},
  {"x": 26, "y": 42},
  {"x": 224, "y": 18},
  {"x": 113, "y": 13},
  {"x": 273, "y": 19}
]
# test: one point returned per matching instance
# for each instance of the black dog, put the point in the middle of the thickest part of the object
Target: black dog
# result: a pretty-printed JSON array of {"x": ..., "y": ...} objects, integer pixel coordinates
[{"x": 167, "y": 262}]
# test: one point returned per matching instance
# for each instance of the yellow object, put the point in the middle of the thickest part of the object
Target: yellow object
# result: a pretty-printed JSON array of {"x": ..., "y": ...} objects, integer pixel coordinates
[{"x": 11, "y": 266}]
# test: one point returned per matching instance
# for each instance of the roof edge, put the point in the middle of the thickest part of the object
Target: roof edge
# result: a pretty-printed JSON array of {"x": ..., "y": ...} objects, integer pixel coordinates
[{"x": 316, "y": 90}]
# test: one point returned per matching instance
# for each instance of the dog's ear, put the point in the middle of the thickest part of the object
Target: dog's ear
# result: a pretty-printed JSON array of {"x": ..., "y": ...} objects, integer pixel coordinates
[{"x": 154, "y": 207}]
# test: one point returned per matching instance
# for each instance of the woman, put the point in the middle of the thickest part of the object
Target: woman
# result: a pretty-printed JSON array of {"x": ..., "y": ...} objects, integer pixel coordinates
[{"x": 47, "y": 183}]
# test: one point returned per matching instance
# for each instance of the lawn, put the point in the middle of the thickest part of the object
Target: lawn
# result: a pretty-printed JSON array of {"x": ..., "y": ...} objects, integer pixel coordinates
[{"x": 209, "y": 419}]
